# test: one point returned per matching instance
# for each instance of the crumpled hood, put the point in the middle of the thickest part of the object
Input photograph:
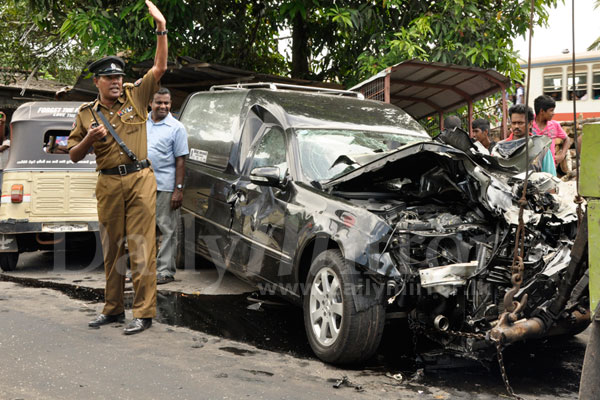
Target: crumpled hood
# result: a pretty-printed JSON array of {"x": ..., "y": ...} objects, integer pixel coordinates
[{"x": 432, "y": 168}]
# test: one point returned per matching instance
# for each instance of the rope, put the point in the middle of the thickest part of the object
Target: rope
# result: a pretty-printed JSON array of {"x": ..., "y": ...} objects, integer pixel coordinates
[
  {"x": 143, "y": 116},
  {"x": 578, "y": 199},
  {"x": 519, "y": 234}
]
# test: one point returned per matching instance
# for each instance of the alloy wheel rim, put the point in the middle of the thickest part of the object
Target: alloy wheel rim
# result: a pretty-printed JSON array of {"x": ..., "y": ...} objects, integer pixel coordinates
[{"x": 326, "y": 307}]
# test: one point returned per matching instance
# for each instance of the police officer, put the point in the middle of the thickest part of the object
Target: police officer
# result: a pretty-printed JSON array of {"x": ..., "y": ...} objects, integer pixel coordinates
[{"x": 126, "y": 186}]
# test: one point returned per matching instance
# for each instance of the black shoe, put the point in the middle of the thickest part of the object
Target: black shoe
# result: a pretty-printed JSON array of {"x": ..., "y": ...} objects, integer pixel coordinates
[
  {"x": 162, "y": 279},
  {"x": 137, "y": 325},
  {"x": 104, "y": 319}
]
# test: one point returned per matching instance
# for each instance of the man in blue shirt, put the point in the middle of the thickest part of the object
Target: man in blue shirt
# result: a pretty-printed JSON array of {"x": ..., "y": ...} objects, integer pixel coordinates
[{"x": 167, "y": 148}]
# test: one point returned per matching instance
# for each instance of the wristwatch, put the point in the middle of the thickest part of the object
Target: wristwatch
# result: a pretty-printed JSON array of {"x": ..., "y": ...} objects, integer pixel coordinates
[{"x": 179, "y": 186}]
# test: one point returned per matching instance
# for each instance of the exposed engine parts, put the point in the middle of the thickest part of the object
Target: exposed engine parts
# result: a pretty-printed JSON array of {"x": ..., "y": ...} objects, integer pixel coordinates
[{"x": 452, "y": 241}]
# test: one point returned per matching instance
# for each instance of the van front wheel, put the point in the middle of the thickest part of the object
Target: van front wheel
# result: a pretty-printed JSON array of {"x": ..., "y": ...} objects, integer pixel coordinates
[
  {"x": 8, "y": 261},
  {"x": 338, "y": 333}
]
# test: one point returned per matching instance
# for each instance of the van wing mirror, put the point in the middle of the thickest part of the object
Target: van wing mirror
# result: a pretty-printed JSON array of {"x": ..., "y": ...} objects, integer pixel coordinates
[{"x": 265, "y": 176}]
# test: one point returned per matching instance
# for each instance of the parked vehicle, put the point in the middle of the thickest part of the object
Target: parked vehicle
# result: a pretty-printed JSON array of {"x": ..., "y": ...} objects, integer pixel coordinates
[
  {"x": 46, "y": 198},
  {"x": 346, "y": 207}
]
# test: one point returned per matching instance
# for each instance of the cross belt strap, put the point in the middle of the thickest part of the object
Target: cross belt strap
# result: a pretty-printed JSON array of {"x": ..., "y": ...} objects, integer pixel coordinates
[
  {"x": 125, "y": 169},
  {"x": 114, "y": 134}
]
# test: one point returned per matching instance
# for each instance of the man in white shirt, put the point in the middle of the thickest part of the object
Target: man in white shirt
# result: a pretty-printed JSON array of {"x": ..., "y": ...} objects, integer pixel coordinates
[{"x": 167, "y": 148}]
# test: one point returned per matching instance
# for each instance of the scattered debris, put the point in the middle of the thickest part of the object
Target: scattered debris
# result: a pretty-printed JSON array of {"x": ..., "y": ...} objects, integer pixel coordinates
[
  {"x": 398, "y": 377},
  {"x": 415, "y": 378},
  {"x": 418, "y": 375},
  {"x": 346, "y": 382},
  {"x": 255, "y": 306}
]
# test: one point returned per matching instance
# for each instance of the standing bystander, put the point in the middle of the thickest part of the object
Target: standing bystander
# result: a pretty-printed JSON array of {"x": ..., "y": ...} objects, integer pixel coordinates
[
  {"x": 544, "y": 125},
  {"x": 126, "y": 187},
  {"x": 481, "y": 130},
  {"x": 519, "y": 93},
  {"x": 167, "y": 148},
  {"x": 521, "y": 120},
  {"x": 451, "y": 122}
]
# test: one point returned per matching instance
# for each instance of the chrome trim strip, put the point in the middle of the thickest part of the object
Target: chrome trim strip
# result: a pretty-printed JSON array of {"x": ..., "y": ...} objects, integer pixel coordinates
[
  {"x": 187, "y": 210},
  {"x": 276, "y": 252}
]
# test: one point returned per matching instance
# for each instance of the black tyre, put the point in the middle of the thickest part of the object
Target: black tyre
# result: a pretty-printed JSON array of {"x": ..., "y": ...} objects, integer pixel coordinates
[
  {"x": 338, "y": 333},
  {"x": 8, "y": 261}
]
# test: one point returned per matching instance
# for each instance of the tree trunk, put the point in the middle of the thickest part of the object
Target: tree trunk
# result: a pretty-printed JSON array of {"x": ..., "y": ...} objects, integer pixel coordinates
[{"x": 299, "y": 48}]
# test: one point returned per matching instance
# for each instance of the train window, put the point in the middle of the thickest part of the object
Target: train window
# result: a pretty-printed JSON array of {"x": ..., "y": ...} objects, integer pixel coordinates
[
  {"x": 553, "y": 83},
  {"x": 581, "y": 89},
  {"x": 596, "y": 81}
]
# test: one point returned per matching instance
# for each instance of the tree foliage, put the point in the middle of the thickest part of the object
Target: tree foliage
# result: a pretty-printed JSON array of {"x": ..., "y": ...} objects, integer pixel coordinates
[
  {"x": 596, "y": 43},
  {"x": 343, "y": 41},
  {"x": 31, "y": 43},
  {"x": 465, "y": 32}
]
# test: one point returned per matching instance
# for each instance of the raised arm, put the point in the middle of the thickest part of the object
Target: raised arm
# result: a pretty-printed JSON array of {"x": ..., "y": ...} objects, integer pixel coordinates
[{"x": 162, "y": 48}]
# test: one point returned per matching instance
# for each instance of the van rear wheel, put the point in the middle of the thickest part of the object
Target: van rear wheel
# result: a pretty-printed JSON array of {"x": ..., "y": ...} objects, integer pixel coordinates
[{"x": 8, "y": 261}]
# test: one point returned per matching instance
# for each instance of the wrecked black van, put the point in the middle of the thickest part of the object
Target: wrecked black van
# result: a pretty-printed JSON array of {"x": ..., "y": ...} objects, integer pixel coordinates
[{"x": 349, "y": 209}]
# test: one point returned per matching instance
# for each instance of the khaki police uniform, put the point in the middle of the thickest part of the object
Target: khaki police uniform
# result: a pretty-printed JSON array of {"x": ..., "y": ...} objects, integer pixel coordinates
[{"x": 126, "y": 203}]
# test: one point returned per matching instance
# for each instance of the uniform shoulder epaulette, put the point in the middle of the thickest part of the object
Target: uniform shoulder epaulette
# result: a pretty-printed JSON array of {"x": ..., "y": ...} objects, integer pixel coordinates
[{"x": 86, "y": 105}]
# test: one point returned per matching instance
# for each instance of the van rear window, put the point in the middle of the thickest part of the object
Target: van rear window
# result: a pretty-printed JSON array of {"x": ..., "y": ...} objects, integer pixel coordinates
[{"x": 211, "y": 120}]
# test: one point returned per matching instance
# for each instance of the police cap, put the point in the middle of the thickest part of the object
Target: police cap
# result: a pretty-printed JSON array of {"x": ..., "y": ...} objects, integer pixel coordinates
[{"x": 110, "y": 65}]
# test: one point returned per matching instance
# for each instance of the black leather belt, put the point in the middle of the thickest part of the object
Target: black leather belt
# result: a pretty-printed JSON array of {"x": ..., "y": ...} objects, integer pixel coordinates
[{"x": 125, "y": 169}]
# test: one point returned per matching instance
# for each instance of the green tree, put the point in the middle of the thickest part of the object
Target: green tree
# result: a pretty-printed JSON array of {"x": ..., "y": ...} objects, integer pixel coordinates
[
  {"x": 465, "y": 32},
  {"x": 31, "y": 43},
  {"x": 238, "y": 33},
  {"x": 334, "y": 40}
]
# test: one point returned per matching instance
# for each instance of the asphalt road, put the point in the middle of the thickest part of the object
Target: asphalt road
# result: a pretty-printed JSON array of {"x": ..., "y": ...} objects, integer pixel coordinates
[{"x": 48, "y": 352}]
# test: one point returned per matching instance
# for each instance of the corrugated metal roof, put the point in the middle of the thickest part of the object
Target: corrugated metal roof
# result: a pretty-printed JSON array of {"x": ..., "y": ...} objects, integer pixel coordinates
[
  {"x": 19, "y": 80},
  {"x": 424, "y": 88}
]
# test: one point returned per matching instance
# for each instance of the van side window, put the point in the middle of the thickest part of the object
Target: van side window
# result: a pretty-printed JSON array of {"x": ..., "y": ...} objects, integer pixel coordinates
[
  {"x": 271, "y": 151},
  {"x": 211, "y": 119}
]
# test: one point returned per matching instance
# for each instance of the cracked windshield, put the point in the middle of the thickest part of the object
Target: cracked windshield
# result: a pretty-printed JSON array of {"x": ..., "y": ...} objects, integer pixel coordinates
[{"x": 329, "y": 153}]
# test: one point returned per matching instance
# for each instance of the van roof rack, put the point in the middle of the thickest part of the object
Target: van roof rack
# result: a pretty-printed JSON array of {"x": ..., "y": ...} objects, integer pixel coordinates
[{"x": 280, "y": 86}]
